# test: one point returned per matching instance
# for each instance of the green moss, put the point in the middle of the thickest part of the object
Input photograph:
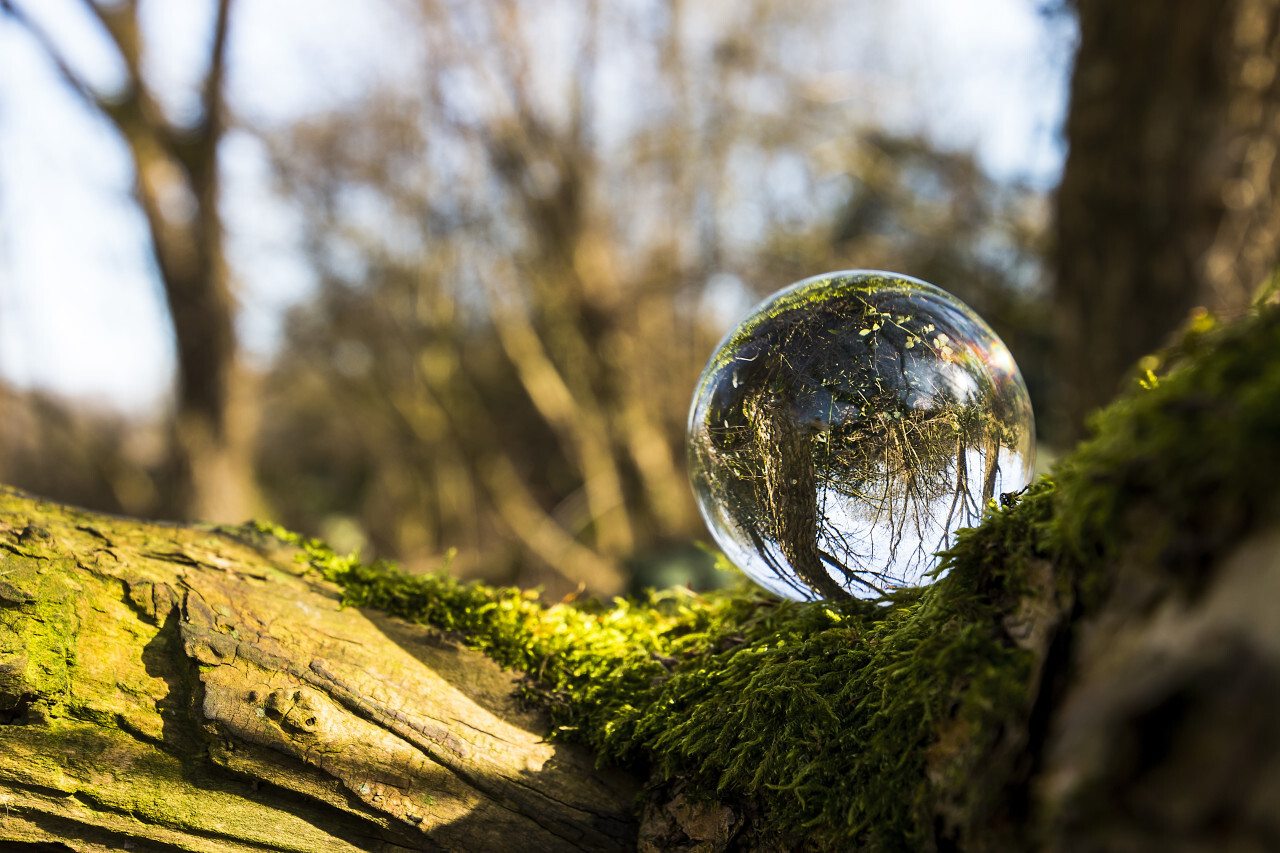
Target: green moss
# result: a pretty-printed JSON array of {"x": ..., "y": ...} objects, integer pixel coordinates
[
  {"x": 37, "y": 626},
  {"x": 818, "y": 714},
  {"x": 1182, "y": 465},
  {"x": 850, "y": 723}
]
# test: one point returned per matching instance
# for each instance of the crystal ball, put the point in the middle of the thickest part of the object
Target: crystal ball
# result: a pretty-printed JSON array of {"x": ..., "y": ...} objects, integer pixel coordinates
[{"x": 848, "y": 427}]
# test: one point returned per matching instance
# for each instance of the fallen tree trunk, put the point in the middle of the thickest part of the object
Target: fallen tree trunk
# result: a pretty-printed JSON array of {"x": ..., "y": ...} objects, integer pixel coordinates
[{"x": 1098, "y": 669}]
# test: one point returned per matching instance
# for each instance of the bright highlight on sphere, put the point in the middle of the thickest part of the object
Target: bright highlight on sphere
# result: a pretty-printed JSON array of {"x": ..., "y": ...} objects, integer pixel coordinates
[{"x": 845, "y": 430}]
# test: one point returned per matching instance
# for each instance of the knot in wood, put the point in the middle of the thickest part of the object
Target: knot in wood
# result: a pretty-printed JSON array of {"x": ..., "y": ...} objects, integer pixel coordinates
[{"x": 299, "y": 711}]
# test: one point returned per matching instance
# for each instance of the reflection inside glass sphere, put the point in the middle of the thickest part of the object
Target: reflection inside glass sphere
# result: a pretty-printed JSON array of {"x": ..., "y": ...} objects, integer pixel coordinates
[{"x": 848, "y": 427}]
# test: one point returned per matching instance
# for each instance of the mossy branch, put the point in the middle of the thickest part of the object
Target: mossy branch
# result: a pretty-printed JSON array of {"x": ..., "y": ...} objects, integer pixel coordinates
[
  {"x": 1085, "y": 655},
  {"x": 917, "y": 721}
]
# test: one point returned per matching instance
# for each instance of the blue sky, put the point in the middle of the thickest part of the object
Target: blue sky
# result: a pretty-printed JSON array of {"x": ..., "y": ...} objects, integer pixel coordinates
[{"x": 81, "y": 312}]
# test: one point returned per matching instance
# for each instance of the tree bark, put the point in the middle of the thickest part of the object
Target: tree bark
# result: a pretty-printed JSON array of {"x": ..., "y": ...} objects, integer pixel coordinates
[
  {"x": 1168, "y": 198},
  {"x": 167, "y": 687}
]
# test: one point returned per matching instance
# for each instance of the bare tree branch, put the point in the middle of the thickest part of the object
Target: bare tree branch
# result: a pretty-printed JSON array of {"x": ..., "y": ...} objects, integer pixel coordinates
[{"x": 69, "y": 76}]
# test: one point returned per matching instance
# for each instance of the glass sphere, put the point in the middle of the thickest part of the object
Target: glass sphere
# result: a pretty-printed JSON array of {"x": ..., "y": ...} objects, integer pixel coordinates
[{"x": 845, "y": 430}]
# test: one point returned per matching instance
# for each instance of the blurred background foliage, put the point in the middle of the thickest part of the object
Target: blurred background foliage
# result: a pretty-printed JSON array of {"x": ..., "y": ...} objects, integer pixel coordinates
[
  {"x": 523, "y": 257},
  {"x": 518, "y": 292}
]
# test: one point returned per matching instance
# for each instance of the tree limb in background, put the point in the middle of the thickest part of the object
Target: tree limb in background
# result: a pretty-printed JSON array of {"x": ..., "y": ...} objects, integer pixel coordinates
[{"x": 576, "y": 419}]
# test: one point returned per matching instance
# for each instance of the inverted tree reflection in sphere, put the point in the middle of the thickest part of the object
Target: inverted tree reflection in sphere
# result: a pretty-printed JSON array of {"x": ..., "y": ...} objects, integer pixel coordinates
[{"x": 845, "y": 430}]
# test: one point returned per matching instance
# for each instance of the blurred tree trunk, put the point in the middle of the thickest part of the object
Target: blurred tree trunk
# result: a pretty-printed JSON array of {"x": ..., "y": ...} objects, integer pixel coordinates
[
  {"x": 177, "y": 188},
  {"x": 1168, "y": 200}
]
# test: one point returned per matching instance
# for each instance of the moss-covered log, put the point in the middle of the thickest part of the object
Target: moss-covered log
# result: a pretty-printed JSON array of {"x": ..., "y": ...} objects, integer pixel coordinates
[{"x": 1098, "y": 669}]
